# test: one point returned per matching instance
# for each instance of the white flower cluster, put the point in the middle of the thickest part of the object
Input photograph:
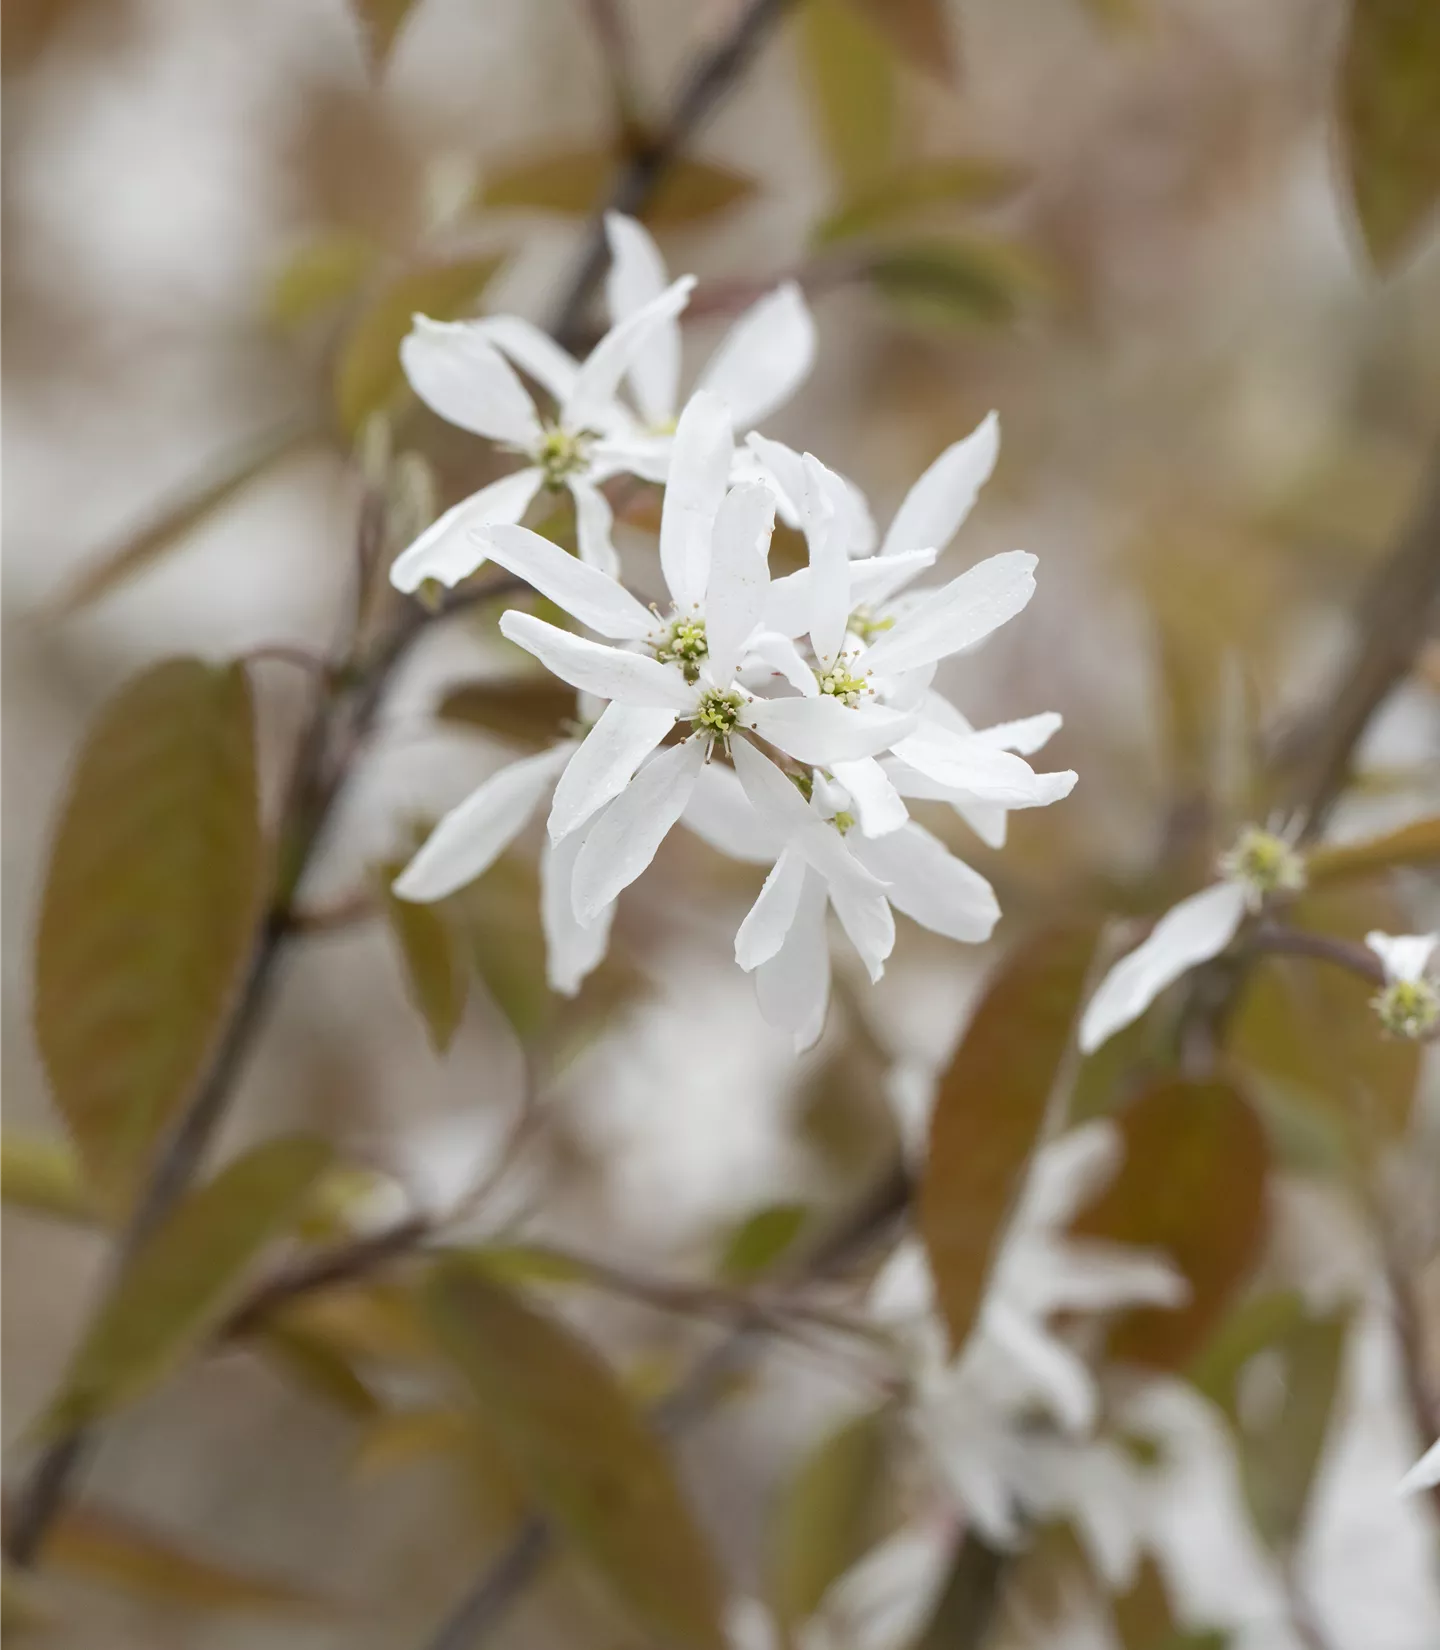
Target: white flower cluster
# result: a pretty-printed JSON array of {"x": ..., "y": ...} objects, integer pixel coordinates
[{"x": 785, "y": 721}]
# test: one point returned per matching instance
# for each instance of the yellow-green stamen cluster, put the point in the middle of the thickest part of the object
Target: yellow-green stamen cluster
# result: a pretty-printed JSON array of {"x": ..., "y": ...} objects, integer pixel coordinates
[
  {"x": 840, "y": 683},
  {"x": 718, "y": 713},
  {"x": 866, "y": 626},
  {"x": 843, "y": 821},
  {"x": 684, "y": 644},
  {"x": 562, "y": 453},
  {"x": 1265, "y": 863},
  {"x": 1408, "y": 1008}
]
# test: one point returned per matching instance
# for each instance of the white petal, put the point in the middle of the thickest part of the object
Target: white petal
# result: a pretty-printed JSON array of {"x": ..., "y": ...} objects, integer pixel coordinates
[
  {"x": 461, "y": 376},
  {"x": 630, "y": 453},
  {"x": 989, "y": 822},
  {"x": 874, "y": 579},
  {"x": 597, "y": 600},
  {"x": 784, "y": 470},
  {"x": 1025, "y": 736},
  {"x": 930, "y": 885},
  {"x": 593, "y": 395},
  {"x": 593, "y": 520},
  {"x": 699, "y": 472},
  {"x": 959, "y": 614},
  {"x": 594, "y": 667},
  {"x": 721, "y": 815},
  {"x": 939, "y": 502},
  {"x": 637, "y": 277},
  {"x": 447, "y": 550},
  {"x": 1069, "y": 1173},
  {"x": 793, "y": 988},
  {"x": 739, "y": 576},
  {"x": 572, "y": 951},
  {"x": 869, "y": 923},
  {"x": 1055, "y": 1372},
  {"x": 764, "y": 358},
  {"x": 768, "y": 920},
  {"x": 822, "y": 730},
  {"x": 968, "y": 769},
  {"x": 878, "y": 805},
  {"x": 533, "y": 351},
  {"x": 825, "y": 515},
  {"x": 625, "y": 838},
  {"x": 780, "y": 655},
  {"x": 1192, "y": 932},
  {"x": 1424, "y": 1475},
  {"x": 605, "y": 763},
  {"x": 1403, "y": 956},
  {"x": 1087, "y": 1275},
  {"x": 473, "y": 835},
  {"x": 777, "y": 803},
  {"x": 826, "y": 850}
]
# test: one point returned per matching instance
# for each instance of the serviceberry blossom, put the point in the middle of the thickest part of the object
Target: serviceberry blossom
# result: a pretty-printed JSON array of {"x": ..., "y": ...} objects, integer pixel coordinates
[
  {"x": 1261, "y": 865},
  {"x": 1409, "y": 1004},
  {"x": 1424, "y": 1475},
  {"x": 458, "y": 370}
]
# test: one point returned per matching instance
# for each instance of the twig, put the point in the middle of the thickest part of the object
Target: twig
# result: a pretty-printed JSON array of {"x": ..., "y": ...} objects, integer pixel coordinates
[
  {"x": 613, "y": 36},
  {"x": 1297, "y": 942},
  {"x": 712, "y": 75}
]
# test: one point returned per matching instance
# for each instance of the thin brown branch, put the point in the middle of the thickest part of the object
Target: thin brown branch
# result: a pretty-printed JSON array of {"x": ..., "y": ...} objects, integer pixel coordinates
[{"x": 1297, "y": 942}]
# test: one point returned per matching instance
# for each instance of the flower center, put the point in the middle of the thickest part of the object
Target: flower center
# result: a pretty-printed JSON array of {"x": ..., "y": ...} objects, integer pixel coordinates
[
  {"x": 843, "y": 821},
  {"x": 683, "y": 644},
  {"x": 562, "y": 453},
  {"x": 1264, "y": 862},
  {"x": 718, "y": 713},
  {"x": 841, "y": 683},
  {"x": 866, "y": 626},
  {"x": 1408, "y": 1008}
]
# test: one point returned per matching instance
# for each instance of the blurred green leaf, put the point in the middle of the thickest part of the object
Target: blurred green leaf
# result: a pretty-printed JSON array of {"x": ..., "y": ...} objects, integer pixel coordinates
[
  {"x": 380, "y": 21},
  {"x": 960, "y": 283},
  {"x": 851, "y": 76},
  {"x": 919, "y": 31},
  {"x": 43, "y": 1175},
  {"x": 578, "y": 182},
  {"x": 181, "y": 1281},
  {"x": 367, "y": 371},
  {"x": 314, "y": 1365},
  {"x": 1279, "y": 1458},
  {"x": 828, "y": 1515},
  {"x": 572, "y": 1435},
  {"x": 989, "y": 1110},
  {"x": 437, "y": 978},
  {"x": 1414, "y": 844},
  {"x": 763, "y": 1239},
  {"x": 149, "y": 909},
  {"x": 188, "y": 509},
  {"x": 521, "y": 1263},
  {"x": 500, "y": 915},
  {"x": 893, "y": 199},
  {"x": 1254, "y": 1325},
  {"x": 319, "y": 276},
  {"x": 1390, "y": 115},
  {"x": 1192, "y": 1185},
  {"x": 529, "y": 713}
]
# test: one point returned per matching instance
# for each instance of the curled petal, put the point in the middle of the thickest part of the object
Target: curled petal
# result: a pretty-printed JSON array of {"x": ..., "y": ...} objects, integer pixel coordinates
[
  {"x": 447, "y": 550},
  {"x": 936, "y": 506},
  {"x": 764, "y": 358}
]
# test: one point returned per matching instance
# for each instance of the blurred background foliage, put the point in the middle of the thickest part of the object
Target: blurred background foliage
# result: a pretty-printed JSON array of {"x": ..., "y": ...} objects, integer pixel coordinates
[{"x": 1187, "y": 248}]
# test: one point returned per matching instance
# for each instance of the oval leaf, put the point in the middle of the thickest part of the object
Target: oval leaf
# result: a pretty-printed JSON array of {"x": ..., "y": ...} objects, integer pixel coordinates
[
  {"x": 573, "y": 1436},
  {"x": 437, "y": 980},
  {"x": 578, "y": 182},
  {"x": 1390, "y": 112},
  {"x": 182, "y": 1279},
  {"x": 319, "y": 276},
  {"x": 852, "y": 80},
  {"x": 913, "y": 188},
  {"x": 1414, "y": 844},
  {"x": 918, "y": 31},
  {"x": 989, "y": 1111},
  {"x": 149, "y": 909},
  {"x": 527, "y": 713},
  {"x": 1192, "y": 1184},
  {"x": 958, "y": 283},
  {"x": 43, "y": 1176},
  {"x": 368, "y": 375}
]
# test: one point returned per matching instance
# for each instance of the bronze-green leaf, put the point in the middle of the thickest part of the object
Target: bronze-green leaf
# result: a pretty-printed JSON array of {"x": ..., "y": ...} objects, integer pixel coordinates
[
  {"x": 851, "y": 77},
  {"x": 828, "y": 1515},
  {"x": 762, "y": 1240},
  {"x": 1414, "y": 844},
  {"x": 972, "y": 181},
  {"x": 43, "y": 1175},
  {"x": 1254, "y": 1325},
  {"x": 574, "y": 1438},
  {"x": 380, "y": 22},
  {"x": 1390, "y": 113},
  {"x": 958, "y": 283},
  {"x": 183, "y": 1278},
  {"x": 919, "y": 31},
  {"x": 530, "y": 713},
  {"x": 367, "y": 371},
  {"x": 319, "y": 276},
  {"x": 578, "y": 182},
  {"x": 168, "y": 525},
  {"x": 437, "y": 979},
  {"x": 989, "y": 1110},
  {"x": 149, "y": 909},
  {"x": 1191, "y": 1185}
]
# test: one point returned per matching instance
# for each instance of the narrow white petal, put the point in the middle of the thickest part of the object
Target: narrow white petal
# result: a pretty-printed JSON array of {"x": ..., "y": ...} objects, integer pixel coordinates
[
  {"x": 959, "y": 614},
  {"x": 878, "y": 805},
  {"x": 572, "y": 951},
  {"x": 1191, "y": 933},
  {"x": 597, "y": 600},
  {"x": 447, "y": 550},
  {"x": 1025, "y": 736},
  {"x": 764, "y": 358},
  {"x": 637, "y": 277},
  {"x": 874, "y": 579},
  {"x": 461, "y": 376},
  {"x": 624, "y": 839},
  {"x": 594, "y": 667},
  {"x": 793, "y": 988},
  {"x": 989, "y": 822},
  {"x": 593, "y": 521},
  {"x": 930, "y": 885},
  {"x": 1403, "y": 956},
  {"x": 593, "y": 395},
  {"x": 721, "y": 814},
  {"x": 778, "y": 804},
  {"x": 783, "y": 469},
  {"x": 646, "y": 456},
  {"x": 939, "y": 502},
  {"x": 768, "y": 650},
  {"x": 825, "y": 515},
  {"x": 606, "y": 762},
  {"x": 739, "y": 575},
  {"x": 533, "y": 351},
  {"x": 768, "y": 920},
  {"x": 1424, "y": 1475},
  {"x": 699, "y": 472},
  {"x": 822, "y": 730},
  {"x": 968, "y": 769},
  {"x": 1055, "y": 1373},
  {"x": 473, "y": 835},
  {"x": 1069, "y": 1174},
  {"x": 868, "y": 922},
  {"x": 827, "y": 851}
]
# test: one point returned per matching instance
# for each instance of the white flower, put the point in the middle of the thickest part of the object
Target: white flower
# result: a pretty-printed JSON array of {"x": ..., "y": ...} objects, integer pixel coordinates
[
  {"x": 1424, "y": 1475},
  {"x": 458, "y": 371},
  {"x": 1409, "y": 1006},
  {"x": 1192, "y": 932},
  {"x": 820, "y": 860}
]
